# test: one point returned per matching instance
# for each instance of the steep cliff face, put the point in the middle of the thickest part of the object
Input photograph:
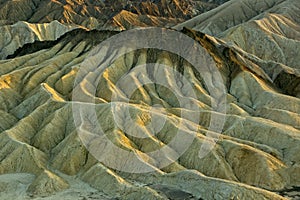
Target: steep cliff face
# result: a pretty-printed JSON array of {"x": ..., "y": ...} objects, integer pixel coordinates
[{"x": 156, "y": 111}]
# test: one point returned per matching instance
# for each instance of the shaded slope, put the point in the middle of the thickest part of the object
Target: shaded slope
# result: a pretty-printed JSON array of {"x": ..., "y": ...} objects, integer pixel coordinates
[
  {"x": 93, "y": 13},
  {"x": 261, "y": 152},
  {"x": 268, "y": 35},
  {"x": 15, "y": 36},
  {"x": 26, "y": 21},
  {"x": 256, "y": 156},
  {"x": 126, "y": 20}
]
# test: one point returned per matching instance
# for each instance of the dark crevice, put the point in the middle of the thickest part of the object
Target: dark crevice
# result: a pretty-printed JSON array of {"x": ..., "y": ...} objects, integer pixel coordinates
[{"x": 74, "y": 36}]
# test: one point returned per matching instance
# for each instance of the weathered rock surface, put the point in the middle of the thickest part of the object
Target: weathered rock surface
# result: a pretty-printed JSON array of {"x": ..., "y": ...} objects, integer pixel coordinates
[{"x": 255, "y": 157}]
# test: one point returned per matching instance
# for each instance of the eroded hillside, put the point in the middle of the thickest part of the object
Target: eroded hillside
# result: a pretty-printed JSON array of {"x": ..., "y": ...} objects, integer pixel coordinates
[{"x": 48, "y": 148}]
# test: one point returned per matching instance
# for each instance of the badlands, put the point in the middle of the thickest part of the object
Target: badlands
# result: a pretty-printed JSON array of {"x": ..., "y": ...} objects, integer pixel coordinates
[{"x": 161, "y": 99}]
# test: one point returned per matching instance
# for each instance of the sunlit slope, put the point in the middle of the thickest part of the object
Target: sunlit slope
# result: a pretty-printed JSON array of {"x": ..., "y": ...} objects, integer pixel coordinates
[
  {"x": 27, "y": 21},
  {"x": 13, "y": 37},
  {"x": 95, "y": 13},
  {"x": 267, "y": 29},
  {"x": 256, "y": 49},
  {"x": 258, "y": 146}
]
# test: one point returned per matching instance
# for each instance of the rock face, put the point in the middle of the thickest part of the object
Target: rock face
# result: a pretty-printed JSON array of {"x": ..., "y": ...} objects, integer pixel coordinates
[{"x": 48, "y": 75}]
